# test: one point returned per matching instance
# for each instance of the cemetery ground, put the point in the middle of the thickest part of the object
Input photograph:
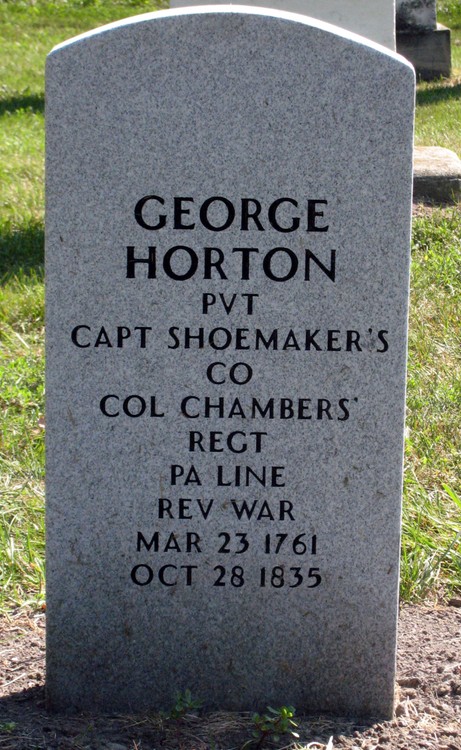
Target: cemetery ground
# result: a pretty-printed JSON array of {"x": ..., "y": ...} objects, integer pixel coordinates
[
  {"x": 428, "y": 702},
  {"x": 429, "y": 692}
]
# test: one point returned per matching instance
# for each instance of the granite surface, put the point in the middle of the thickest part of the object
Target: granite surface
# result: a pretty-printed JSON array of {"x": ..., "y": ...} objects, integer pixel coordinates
[
  {"x": 374, "y": 19},
  {"x": 227, "y": 254}
]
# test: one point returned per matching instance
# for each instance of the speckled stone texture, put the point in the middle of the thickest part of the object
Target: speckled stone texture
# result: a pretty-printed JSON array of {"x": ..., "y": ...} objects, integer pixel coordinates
[
  {"x": 225, "y": 422},
  {"x": 374, "y": 19}
]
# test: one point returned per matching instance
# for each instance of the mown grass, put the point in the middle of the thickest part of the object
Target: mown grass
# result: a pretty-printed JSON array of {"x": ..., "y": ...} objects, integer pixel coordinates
[
  {"x": 431, "y": 559},
  {"x": 449, "y": 13},
  {"x": 431, "y": 549},
  {"x": 21, "y": 439}
]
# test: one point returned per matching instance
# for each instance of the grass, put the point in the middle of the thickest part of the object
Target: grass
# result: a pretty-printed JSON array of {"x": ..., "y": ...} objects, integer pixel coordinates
[
  {"x": 431, "y": 559},
  {"x": 21, "y": 439},
  {"x": 438, "y": 111},
  {"x": 449, "y": 13}
]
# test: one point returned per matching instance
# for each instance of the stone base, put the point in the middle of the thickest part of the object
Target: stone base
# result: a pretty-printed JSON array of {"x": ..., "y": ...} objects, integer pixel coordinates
[
  {"x": 437, "y": 175},
  {"x": 429, "y": 52}
]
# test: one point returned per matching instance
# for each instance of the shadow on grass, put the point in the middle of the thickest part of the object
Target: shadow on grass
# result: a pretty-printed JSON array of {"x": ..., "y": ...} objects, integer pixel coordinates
[
  {"x": 438, "y": 93},
  {"x": 22, "y": 251},
  {"x": 33, "y": 102}
]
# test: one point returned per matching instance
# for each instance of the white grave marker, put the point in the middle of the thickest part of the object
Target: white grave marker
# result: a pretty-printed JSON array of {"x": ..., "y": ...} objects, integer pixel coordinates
[
  {"x": 228, "y": 222},
  {"x": 374, "y": 19}
]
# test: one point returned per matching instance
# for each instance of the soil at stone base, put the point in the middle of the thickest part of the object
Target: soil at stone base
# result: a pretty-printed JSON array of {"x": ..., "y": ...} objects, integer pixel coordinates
[{"x": 428, "y": 701}]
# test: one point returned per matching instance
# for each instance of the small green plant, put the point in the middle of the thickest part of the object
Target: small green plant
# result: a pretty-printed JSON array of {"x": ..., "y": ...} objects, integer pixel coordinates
[
  {"x": 270, "y": 726},
  {"x": 8, "y": 726},
  {"x": 185, "y": 704}
]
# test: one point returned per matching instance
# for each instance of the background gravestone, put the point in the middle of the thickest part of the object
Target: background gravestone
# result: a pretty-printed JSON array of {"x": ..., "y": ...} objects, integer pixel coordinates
[
  {"x": 228, "y": 223},
  {"x": 416, "y": 15},
  {"x": 374, "y": 19},
  {"x": 423, "y": 41}
]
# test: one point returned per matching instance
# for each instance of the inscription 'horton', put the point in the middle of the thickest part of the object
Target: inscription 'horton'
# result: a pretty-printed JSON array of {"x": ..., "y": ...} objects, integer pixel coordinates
[
  {"x": 227, "y": 279},
  {"x": 277, "y": 264}
]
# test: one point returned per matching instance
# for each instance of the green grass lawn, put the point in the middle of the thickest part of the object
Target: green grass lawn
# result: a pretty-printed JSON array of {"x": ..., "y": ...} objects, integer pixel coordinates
[
  {"x": 431, "y": 555},
  {"x": 449, "y": 13}
]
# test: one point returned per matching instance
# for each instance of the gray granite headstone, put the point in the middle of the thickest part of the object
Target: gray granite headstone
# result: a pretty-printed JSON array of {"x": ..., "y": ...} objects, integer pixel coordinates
[{"x": 228, "y": 219}]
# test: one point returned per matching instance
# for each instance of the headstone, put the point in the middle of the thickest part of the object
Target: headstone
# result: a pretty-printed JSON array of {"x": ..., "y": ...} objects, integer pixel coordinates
[
  {"x": 423, "y": 41},
  {"x": 416, "y": 15},
  {"x": 374, "y": 19},
  {"x": 436, "y": 174},
  {"x": 228, "y": 220}
]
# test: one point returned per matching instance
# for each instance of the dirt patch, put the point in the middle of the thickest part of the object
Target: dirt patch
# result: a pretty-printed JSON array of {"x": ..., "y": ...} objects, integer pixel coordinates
[
  {"x": 424, "y": 208},
  {"x": 428, "y": 704}
]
